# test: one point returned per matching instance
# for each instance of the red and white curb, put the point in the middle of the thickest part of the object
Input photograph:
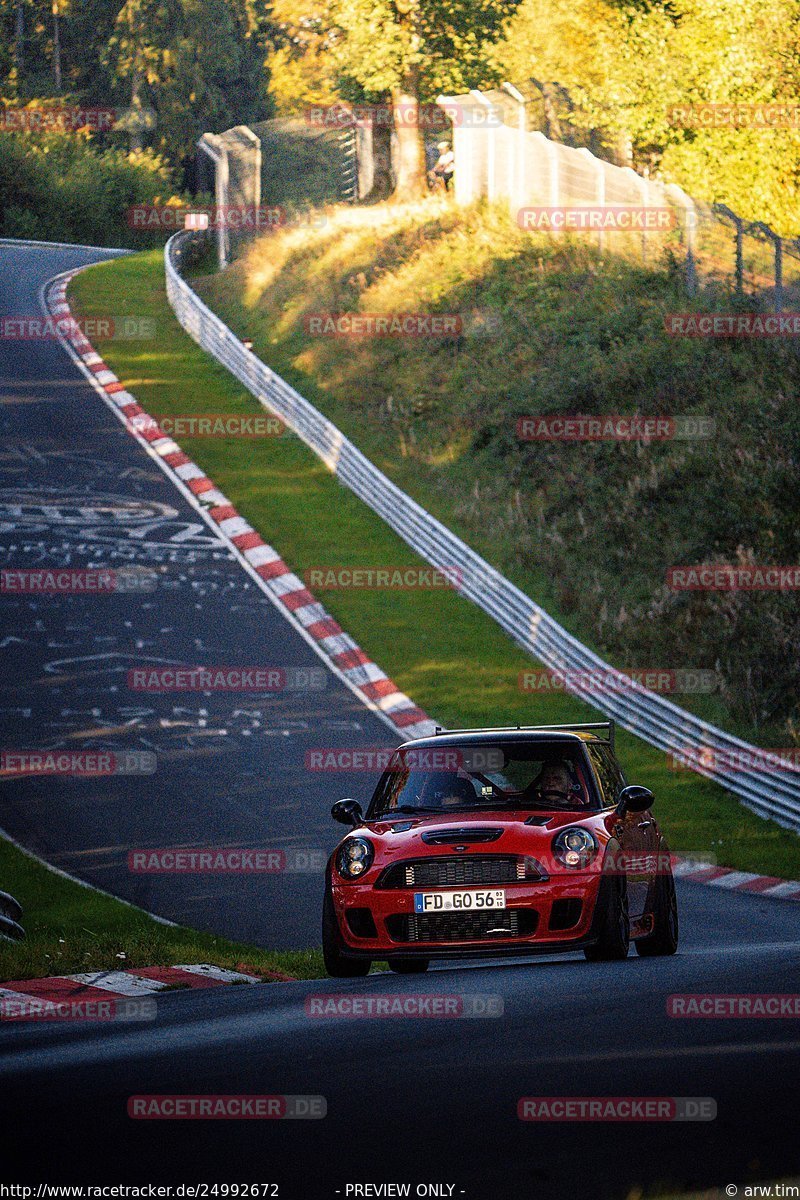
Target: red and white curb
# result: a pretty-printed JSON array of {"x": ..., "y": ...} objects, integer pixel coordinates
[
  {"x": 74, "y": 995},
  {"x": 737, "y": 881},
  {"x": 372, "y": 685},
  {"x": 342, "y": 654}
]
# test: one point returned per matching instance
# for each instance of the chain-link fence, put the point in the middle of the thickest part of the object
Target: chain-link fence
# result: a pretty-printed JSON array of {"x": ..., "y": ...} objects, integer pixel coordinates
[
  {"x": 502, "y": 153},
  {"x": 265, "y": 175}
]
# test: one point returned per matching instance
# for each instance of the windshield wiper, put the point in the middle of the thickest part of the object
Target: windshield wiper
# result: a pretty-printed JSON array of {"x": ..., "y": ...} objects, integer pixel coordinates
[{"x": 405, "y": 808}]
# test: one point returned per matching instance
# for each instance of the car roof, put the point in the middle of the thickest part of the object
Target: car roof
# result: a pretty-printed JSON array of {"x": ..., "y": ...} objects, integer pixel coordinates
[{"x": 509, "y": 736}]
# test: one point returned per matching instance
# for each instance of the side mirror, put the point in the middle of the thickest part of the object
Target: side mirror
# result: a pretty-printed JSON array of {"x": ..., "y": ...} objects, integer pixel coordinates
[
  {"x": 634, "y": 798},
  {"x": 348, "y": 812}
]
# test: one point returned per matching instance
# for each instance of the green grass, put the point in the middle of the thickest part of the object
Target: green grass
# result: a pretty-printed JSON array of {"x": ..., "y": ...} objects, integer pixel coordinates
[
  {"x": 589, "y": 529},
  {"x": 70, "y": 928},
  {"x": 440, "y": 649}
]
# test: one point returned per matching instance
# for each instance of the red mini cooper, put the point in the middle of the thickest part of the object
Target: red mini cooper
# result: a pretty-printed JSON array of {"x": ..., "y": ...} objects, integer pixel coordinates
[{"x": 499, "y": 841}]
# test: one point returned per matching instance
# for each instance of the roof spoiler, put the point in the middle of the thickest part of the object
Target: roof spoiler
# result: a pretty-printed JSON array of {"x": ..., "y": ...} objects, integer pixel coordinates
[{"x": 608, "y": 726}]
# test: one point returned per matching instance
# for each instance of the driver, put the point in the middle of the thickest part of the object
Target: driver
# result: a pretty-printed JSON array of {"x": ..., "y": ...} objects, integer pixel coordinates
[
  {"x": 557, "y": 785},
  {"x": 444, "y": 789}
]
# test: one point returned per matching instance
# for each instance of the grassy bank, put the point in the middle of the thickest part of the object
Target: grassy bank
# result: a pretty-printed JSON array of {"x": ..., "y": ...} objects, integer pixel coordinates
[
  {"x": 70, "y": 928},
  {"x": 439, "y": 648},
  {"x": 589, "y": 528}
]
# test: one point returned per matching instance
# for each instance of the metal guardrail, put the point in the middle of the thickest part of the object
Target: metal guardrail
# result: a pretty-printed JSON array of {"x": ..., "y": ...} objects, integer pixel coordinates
[
  {"x": 10, "y": 916},
  {"x": 738, "y": 766}
]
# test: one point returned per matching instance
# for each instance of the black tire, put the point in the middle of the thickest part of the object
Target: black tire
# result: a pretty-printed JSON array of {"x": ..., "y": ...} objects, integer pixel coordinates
[
  {"x": 409, "y": 966},
  {"x": 612, "y": 922},
  {"x": 336, "y": 964},
  {"x": 666, "y": 932}
]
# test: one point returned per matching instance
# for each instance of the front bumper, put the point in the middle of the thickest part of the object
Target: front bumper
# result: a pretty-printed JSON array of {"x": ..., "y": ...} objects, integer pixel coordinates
[{"x": 540, "y": 908}]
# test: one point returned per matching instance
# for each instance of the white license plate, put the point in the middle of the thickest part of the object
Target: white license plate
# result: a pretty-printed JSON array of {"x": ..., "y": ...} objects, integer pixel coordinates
[{"x": 426, "y": 902}]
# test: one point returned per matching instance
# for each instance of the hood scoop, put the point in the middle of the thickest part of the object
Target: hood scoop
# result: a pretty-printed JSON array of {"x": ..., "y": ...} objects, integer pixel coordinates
[
  {"x": 540, "y": 818},
  {"x": 448, "y": 837}
]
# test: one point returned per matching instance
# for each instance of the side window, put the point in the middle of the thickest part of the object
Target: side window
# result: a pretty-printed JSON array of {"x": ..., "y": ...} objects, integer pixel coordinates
[{"x": 608, "y": 773}]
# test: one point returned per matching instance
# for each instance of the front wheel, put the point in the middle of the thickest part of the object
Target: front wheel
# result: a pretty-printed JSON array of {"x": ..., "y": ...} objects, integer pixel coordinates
[
  {"x": 409, "y": 966},
  {"x": 612, "y": 922},
  {"x": 664, "y": 938},
  {"x": 336, "y": 964}
]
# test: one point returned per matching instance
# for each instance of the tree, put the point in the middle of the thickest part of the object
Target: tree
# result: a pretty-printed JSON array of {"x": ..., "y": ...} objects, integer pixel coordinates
[
  {"x": 193, "y": 81},
  {"x": 626, "y": 64},
  {"x": 303, "y": 71},
  {"x": 410, "y": 51}
]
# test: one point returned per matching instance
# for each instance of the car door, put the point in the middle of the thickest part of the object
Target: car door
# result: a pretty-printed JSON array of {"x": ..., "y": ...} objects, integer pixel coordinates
[{"x": 635, "y": 832}]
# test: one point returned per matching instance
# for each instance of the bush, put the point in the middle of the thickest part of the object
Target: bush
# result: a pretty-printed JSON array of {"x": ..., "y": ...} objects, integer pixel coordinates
[{"x": 60, "y": 187}]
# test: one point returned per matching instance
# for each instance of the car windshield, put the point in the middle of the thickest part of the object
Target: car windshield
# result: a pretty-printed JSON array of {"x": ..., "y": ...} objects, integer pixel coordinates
[{"x": 445, "y": 779}]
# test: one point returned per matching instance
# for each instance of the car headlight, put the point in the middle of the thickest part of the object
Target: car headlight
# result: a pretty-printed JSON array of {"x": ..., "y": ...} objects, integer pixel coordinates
[
  {"x": 354, "y": 857},
  {"x": 575, "y": 847}
]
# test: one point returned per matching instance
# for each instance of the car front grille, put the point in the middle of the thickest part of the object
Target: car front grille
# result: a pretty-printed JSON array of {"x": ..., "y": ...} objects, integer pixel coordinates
[
  {"x": 461, "y": 927},
  {"x": 453, "y": 869}
]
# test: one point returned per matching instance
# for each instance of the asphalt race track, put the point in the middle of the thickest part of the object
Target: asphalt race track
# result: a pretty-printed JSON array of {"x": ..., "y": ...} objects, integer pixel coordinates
[
  {"x": 409, "y": 1100},
  {"x": 77, "y": 491}
]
